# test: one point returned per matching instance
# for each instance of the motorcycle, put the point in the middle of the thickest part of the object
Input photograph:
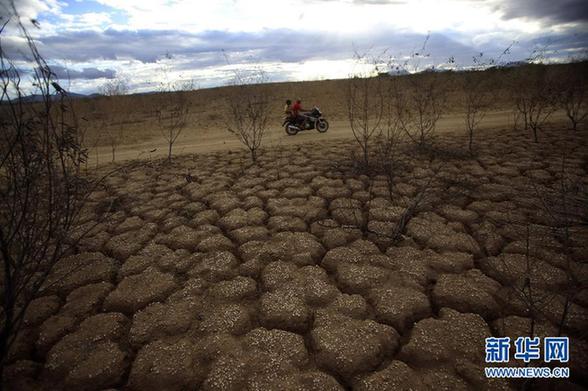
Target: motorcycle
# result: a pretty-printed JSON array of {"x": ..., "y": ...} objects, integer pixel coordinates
[{"x": 312, "y": 120}]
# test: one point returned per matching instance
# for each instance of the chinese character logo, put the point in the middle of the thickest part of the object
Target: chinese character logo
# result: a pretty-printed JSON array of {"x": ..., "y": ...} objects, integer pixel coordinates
[
  {"x": 556, "y": 349},
  {"x": 527, "y": 349},
  {"x": 497, "y": 349}
]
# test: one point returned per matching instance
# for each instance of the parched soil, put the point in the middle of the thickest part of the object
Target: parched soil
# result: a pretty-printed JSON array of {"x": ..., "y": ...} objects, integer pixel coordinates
[{"x": 303, "y": 273}]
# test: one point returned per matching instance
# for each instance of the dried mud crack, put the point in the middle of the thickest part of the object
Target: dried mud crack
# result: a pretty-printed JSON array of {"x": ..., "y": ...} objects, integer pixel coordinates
[{"x": 281, "y": 276}]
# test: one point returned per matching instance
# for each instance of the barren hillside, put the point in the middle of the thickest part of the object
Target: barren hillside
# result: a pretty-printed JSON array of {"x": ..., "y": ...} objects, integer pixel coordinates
[{"x": 207, "y": 123}]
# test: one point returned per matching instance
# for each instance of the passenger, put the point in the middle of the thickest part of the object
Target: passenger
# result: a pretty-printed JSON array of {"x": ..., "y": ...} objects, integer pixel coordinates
[{"x": 288, "y": 109}]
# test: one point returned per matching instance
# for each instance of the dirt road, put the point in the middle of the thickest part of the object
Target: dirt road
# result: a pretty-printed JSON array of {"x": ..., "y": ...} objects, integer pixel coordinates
[{"x": 194, "y": 140}]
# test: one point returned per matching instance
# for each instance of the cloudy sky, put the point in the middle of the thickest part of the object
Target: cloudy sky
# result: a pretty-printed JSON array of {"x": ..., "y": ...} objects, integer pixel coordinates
[{"x": 150, "y": 41}]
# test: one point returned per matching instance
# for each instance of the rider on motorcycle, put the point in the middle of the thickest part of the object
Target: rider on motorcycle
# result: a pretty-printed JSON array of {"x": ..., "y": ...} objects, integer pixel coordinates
[{"x": 296, "y": 113}]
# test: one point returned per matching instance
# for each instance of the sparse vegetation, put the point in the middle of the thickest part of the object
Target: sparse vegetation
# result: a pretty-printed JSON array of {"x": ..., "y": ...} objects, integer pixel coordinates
[
  {"x": 118, "y": 109},
  {"x": 365, "y": 108},
  {"x": 572, "y": 94},
  {"x": 477, "y": 98},
  {"x": 249, "y": 110},
  {"x": 173, "y": 114},
  {"x": 42, "y": 193},
  {"x": 535, "y": 97},
  {"x": 115, "y": 87},
  {"x": 419, "y": 105}
]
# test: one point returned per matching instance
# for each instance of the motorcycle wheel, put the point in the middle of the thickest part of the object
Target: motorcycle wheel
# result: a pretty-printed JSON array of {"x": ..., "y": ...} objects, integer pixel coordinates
[
  {"x": 290, "y": 131},
  {"x": 322, "y": 125}
]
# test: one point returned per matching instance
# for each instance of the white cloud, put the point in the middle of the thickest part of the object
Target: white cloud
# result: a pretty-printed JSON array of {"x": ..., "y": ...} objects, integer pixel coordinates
[
  {"x": 343, "y": 16},
  {"x": 30, "y": 9},
  {"x": 86, "y": 21},
  {"x": 292, "y": 39}
]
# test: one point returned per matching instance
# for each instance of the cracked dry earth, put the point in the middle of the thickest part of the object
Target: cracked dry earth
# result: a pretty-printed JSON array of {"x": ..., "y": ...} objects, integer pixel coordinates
[{"x": 259, "y": 277}]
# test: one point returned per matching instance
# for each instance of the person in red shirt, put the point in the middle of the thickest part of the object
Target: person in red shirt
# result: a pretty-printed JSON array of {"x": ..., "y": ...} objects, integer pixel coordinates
[{"x": 296, "y": 109}]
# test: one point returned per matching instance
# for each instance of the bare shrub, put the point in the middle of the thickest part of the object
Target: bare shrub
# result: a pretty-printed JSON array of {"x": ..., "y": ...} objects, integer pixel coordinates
[
  {"x": 248, "y": 109},
  {"x": 477, "y": 98},
  {"x": 572, "y": 96},
  {"x": 534, "y": 95},
  {"x": 173, "y": 113},
  {"x": 419, "y": 97},
  {"x": 365, "y": 107},
  {"x": 42, "y": 195},
  {"x": 382, "y": 110},
  {"x": 117, "y": 110},
  {"x": 419, "y": 105},
  {"x": 389, "y": 135},
  {"x": 115, "y": 87},
  {"x": 115, "y": 134}
]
